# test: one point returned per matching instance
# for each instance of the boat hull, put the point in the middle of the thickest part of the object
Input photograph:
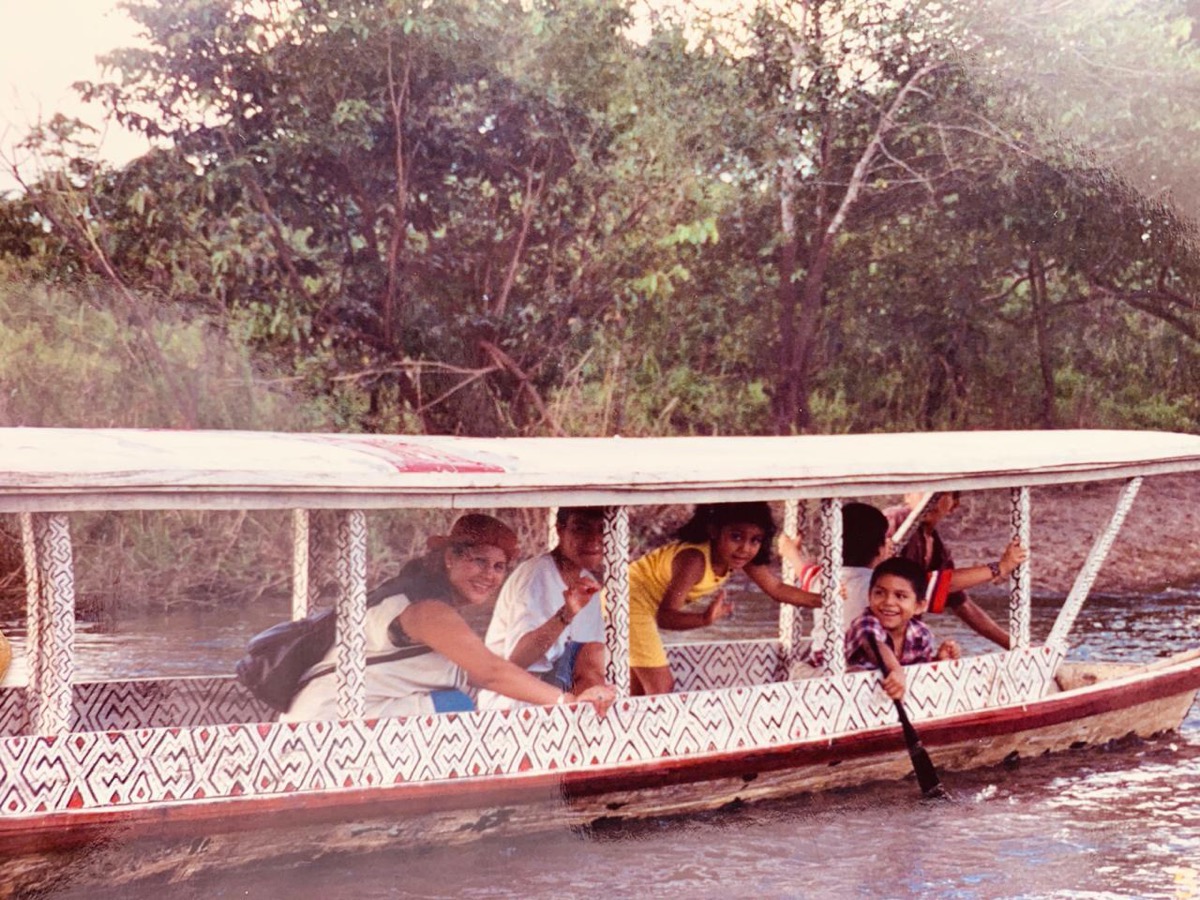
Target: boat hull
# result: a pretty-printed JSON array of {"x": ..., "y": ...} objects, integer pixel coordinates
[{"x": 179, "y": 840}]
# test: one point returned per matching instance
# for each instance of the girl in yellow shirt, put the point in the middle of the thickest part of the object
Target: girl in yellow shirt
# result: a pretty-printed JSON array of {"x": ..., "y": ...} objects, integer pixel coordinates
[{"x": 719, "y": 539}]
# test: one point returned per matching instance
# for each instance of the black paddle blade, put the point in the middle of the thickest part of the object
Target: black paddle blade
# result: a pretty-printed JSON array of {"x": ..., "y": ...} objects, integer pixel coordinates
[{"x": 927, "y": 776}]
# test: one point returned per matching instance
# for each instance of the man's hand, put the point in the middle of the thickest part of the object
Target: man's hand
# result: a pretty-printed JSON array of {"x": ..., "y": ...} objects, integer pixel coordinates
[
  {"x": 601, "y": 696},
  {"x": 576, "y": 597},
  {"x": 1014, "y": 554}
]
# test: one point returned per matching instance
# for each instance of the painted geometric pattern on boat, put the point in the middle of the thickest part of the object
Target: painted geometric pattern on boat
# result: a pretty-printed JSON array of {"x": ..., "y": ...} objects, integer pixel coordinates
[
  {"x": 54, "y": 611},
  {"x": 616, "y": 590},
  {"x": 159, "y": 765},
  {"x": 203, "y": 700},
  {"x": 147, "y": 703},
  {"x": 705, "y": 667},
  {"x": 1020, "y": 584},
  {"x": 351, "y": 612}
]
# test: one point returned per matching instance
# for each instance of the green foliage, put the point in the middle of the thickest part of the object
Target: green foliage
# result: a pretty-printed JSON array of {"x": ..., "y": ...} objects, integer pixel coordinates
[
  {"x": 476, "y": 215},
  {"x": 66, "y": 359}
]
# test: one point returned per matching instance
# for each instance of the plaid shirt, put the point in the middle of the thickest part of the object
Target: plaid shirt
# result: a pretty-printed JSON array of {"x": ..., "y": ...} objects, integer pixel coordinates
[{"x": 918, "y": 642}]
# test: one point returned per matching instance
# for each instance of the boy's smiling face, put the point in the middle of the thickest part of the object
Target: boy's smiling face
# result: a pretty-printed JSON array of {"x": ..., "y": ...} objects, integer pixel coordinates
[{"x": 894, "y": 601}]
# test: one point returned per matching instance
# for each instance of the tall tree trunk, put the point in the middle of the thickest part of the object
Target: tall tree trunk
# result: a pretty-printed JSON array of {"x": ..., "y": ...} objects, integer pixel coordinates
[
  {"x": 800, "y": 308},
  {"x": 786, "y": 398},
  {"x": 1041, "y": 334},
  {"x": 398, "y": 88}
]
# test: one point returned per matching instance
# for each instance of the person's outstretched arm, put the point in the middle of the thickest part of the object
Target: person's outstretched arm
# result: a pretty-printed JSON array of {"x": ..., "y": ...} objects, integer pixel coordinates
[
  {"x": 973, "y": 576},
  {"x": 779, "y": 590},
  {"x": 439, "y": 626}
]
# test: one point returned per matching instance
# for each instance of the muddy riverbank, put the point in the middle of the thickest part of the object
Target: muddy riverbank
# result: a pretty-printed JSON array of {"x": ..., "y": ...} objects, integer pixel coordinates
[{"x": 1158, "y": 547}]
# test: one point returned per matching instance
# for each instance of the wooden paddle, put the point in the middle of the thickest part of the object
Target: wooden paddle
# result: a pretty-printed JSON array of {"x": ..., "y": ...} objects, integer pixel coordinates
[
  {"x": 927, "y": 776},
  {"x": 899, "y": 537}
]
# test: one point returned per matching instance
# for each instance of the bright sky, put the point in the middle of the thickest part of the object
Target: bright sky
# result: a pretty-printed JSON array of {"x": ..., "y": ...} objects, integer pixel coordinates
[{"x": 45, "y": 46}]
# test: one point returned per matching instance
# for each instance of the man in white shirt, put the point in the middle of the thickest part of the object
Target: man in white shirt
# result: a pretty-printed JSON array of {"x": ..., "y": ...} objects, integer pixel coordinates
[{"x": 548, "y": 618}]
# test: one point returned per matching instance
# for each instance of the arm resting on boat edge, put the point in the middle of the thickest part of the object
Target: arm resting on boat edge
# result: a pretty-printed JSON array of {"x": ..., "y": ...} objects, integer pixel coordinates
[
  {"x": 438, "y": 625},
  {"x": 977, "y": 619},
  {"x": 972, "y": 615}
]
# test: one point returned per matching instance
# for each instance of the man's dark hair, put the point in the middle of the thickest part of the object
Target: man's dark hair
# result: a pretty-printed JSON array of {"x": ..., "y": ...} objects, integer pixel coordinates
[{"x": 564, "y": 513}]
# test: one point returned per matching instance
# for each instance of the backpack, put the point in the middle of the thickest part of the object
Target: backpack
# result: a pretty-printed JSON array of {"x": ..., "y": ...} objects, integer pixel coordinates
[{"x": 279, "y": 661}]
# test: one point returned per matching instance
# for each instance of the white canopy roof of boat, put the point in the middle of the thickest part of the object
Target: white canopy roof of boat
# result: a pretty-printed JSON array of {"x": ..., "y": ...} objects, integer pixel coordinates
[{"x": 61, "y": 469}]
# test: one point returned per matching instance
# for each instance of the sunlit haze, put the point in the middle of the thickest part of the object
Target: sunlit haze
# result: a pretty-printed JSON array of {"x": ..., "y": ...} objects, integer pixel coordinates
[{"x": 45, "y": 46}]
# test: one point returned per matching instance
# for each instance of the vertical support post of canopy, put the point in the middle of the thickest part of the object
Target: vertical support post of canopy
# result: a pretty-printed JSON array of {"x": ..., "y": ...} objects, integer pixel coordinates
[
  {"x": 33, "y": 612},
  {"x": 791, "y": 623},
  {"x": 1091, "y": 567},
  {"x": 551, "y": 530},
  {"x": 831, "y": 587},
  {"x": 616, "y": 595},
  {"x": 351, "y": 613},
  {"x": 53, "y": 611},
  {"x": 1020, "y": 600},
  {"x": 301, "y": 593}
]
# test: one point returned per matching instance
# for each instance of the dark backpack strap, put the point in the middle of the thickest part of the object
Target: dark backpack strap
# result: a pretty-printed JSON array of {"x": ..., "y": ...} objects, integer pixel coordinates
[
  {"x": 390, "y": 656},
  {"x": 389, "y": 588}
]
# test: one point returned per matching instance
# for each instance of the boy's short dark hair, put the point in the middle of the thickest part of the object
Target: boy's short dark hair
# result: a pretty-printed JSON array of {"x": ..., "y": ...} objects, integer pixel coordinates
[
  {"x": 912, "y": 572},
  {"x": 864, "y": 530},
  {"x": 564, "y": 513}
]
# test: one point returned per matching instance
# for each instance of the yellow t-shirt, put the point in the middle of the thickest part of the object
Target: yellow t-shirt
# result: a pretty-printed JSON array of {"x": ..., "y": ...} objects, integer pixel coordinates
[{"x": 649, "y": 576}]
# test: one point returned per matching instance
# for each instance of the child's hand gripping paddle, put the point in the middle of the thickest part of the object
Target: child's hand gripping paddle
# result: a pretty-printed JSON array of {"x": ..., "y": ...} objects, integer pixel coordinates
[{"x": 927, "y": 777}]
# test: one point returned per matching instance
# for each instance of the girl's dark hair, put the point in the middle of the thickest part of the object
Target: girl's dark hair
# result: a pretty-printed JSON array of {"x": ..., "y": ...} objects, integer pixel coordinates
[
  {"x": 864, "y": 530},
  {"x": 708, "y": 518},
  {"x": 912, "y": 572}
]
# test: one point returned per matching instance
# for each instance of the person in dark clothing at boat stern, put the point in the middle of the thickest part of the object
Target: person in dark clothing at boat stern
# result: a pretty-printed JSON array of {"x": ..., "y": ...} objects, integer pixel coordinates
[{"x": 926, "y": 548}]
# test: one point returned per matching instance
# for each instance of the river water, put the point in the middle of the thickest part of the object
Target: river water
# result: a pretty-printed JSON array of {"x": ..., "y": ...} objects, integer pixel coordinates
[{"x": 1119, "y": 821}]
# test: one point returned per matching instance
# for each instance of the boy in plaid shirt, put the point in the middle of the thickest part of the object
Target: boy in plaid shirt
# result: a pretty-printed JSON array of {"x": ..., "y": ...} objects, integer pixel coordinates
[{"x": 897, "y": 597}]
